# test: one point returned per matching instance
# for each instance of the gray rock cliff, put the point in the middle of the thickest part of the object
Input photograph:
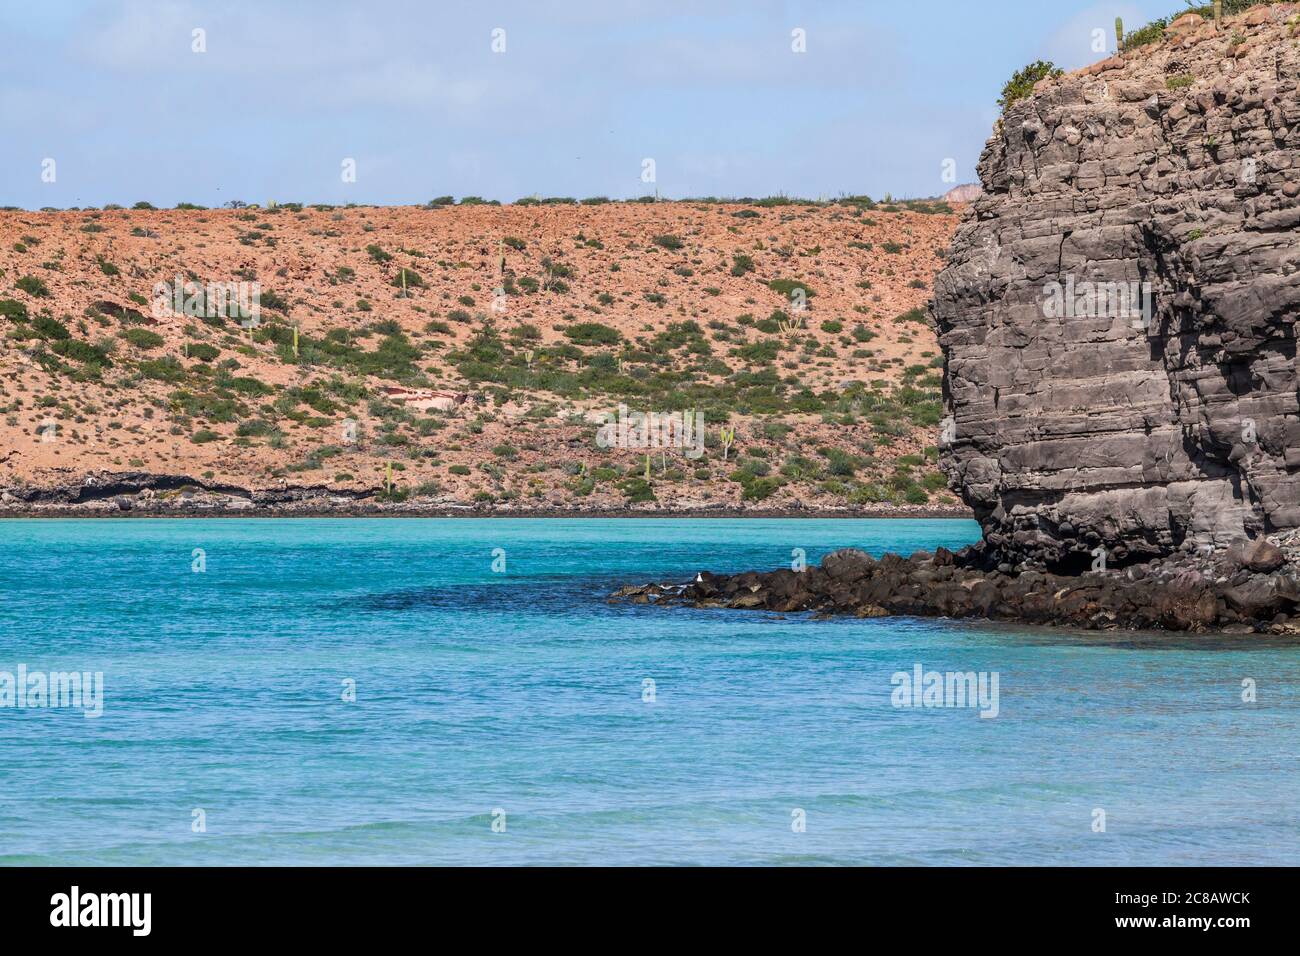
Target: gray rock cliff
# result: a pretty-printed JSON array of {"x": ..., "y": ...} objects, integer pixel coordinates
[{"x": 1118, "y": 311}]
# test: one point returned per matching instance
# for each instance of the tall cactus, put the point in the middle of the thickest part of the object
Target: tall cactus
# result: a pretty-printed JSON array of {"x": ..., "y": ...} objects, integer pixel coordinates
[
  {"x": 1218, "y": 14},
  {"x": 1119, "y": 34}
]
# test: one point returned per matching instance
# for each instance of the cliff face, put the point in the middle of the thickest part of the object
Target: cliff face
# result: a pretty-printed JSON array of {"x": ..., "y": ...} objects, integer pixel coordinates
[{"x": 1078, "y": 418}]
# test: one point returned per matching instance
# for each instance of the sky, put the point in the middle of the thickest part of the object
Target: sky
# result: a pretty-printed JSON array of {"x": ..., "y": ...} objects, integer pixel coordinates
[{"x": 112, "y": 101}]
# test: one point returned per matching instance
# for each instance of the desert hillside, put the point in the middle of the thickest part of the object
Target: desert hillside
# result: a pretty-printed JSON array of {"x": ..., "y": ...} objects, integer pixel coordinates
[{"x": 464, "y": 354}]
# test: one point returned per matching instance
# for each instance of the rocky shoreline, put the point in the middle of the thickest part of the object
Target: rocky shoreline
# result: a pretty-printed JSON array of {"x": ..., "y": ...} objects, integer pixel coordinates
[
  {"x": 149, "y": 495},
  {"x": 1252, "y": 587}
]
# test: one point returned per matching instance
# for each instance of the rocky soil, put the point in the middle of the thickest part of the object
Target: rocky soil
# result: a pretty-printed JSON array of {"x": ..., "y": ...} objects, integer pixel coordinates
[{"x": 659, "y": 306}]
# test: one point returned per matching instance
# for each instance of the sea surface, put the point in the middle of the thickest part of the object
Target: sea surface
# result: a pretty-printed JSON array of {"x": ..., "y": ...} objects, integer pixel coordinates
[{"x": 370, "y": 691}]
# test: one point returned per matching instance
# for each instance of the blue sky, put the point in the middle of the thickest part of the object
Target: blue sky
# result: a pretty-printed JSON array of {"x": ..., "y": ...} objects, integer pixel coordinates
[{"x": 112, "y": 91}]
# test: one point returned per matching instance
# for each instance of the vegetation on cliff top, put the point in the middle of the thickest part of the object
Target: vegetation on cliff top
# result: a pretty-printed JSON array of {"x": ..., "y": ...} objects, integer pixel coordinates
[{"x": 1022, "y": 81}]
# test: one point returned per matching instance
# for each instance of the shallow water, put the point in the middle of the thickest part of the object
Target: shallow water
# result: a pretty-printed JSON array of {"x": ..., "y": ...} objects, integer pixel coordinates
[{"x": 522, "y": 691}]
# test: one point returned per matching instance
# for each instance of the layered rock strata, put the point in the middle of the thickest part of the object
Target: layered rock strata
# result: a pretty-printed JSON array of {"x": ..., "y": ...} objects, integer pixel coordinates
[{"x": 1118, "y": 311}]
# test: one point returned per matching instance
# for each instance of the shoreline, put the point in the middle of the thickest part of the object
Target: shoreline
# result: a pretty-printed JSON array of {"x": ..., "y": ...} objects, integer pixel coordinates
[
  {"x": 1251, "y": 588},
  {"x": 56, "y": 512},
  {"x": 143, "y": 494}
]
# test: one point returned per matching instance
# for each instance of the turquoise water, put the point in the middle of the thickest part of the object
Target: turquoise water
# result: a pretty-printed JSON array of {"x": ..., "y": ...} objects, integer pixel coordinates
[{"x": 522, "y": 691}]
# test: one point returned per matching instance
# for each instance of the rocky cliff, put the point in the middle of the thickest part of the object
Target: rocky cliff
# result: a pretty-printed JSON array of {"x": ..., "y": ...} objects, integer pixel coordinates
[{"x": 1118, "y": 311}]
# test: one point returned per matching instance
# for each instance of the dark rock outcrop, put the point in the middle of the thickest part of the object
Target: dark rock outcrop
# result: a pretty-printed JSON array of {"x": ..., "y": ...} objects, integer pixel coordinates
[
  {"x": 1076, "y": 421},
  {"x": 1185, "y": 593}
]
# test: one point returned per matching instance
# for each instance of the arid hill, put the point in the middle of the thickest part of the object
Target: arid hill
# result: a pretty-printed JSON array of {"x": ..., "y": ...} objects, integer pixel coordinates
[{"x": 385, "y": 366}]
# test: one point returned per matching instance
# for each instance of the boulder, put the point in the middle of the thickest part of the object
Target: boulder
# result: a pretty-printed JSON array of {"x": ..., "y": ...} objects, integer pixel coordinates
[{"x": 1259, "y": 555}]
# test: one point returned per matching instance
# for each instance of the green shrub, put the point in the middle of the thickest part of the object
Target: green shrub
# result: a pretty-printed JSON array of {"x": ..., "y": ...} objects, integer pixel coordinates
[
  {"x": 842, "y": 463},
  {"x": 668, "y": 241},
  {"x": 253, "y": 428},
  {"x": 593, "y": 333},
  {"x": 786, "y": 287},
  {"x": 411, "y": 277},
  {"x": 48, "y": 327},
  {"x": 269, "y": 299},
  {"x": 80, "y": 351},
  {"x": 760, "y": 351},
  {"x": 143, "y": 338},
  {"x": 637, "y": 490},
  {"x": 1022, "y": 81},
  {"x": 33, "y": 286},
  {"x": 760, "y": 488},
  {"x": 13, "y": 309}
]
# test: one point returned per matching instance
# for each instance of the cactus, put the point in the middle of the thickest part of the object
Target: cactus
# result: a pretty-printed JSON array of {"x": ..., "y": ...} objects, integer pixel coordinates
[
  {"x": 403, "y": 272},
  {"x": 728, "y": 436},
  {"x": 1119, "y": 34},
  {"x": 295, "y": 341},
  {"x": 788, "y": 327},
  {"x": 388, "y": 477},
  {"x": 1218, "y": 14},
  {"x": 647, "y": 468}
]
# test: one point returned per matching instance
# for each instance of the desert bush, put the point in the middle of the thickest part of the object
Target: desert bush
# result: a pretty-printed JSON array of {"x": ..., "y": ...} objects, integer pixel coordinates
[
  {"x": 33, "y": 286},
  {"x": 143, "y": 338},
  {"x": 593, "y": 333},
  {"x": 408, "y": 279},
  {"x": 1022, "y": 81},
  {"x": 50, "y": 328},
  {"x": 787, "y": 287}
]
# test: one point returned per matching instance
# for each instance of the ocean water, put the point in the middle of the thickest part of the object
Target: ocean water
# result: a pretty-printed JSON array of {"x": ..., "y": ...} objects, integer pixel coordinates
[{"x": 519, "y": 696}]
